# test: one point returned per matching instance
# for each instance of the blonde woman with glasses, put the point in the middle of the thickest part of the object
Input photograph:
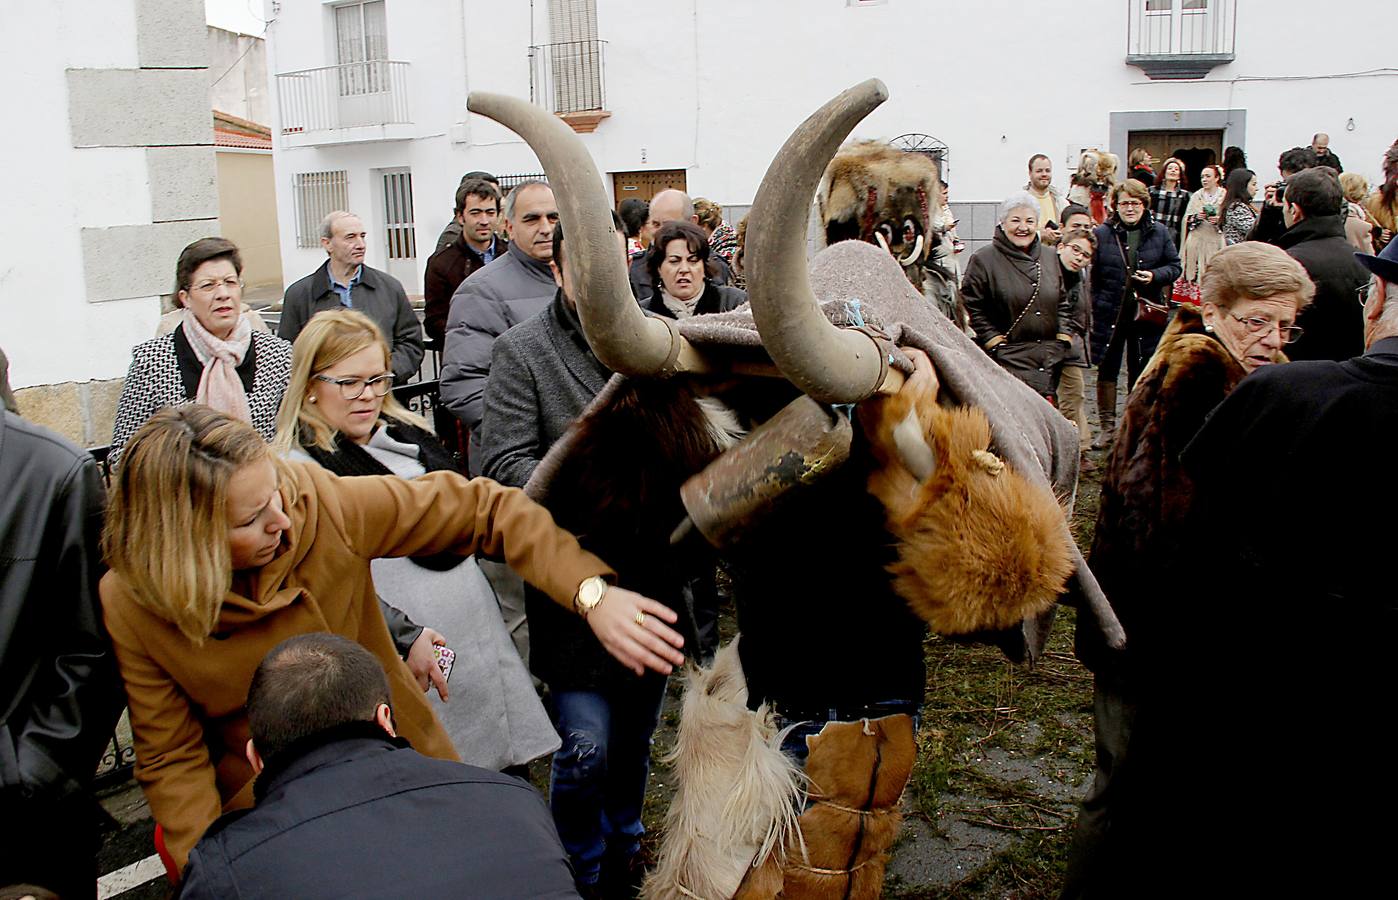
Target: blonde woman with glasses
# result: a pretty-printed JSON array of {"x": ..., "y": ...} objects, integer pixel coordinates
[
  {"x": 339, "y": 414},
  {"x": 219, "y": 550}
]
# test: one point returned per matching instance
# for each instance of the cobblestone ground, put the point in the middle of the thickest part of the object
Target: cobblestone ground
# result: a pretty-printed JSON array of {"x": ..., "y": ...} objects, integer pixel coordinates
[{"x": 1004, "y": 754}]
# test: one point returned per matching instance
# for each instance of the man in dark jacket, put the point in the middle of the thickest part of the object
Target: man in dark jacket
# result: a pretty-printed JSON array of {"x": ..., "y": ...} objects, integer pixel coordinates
[
  {"x": 1270, "y": 223},
  {"x": 475, "y": 245},
  {"x": 60, "y": 694},
  {"x": 344, "y": 280},
  {"x": 1333, "y": 324},
  {"x": 1298, "y": 641},
  {"x": 347, "y": 808}
]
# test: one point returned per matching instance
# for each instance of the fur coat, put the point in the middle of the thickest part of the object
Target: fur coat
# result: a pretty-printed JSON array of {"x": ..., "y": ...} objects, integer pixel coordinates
[{"x": 1142, "y": 537}]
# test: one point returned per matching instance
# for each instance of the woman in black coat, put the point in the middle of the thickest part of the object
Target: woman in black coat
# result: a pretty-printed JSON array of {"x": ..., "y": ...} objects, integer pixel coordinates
[
  {"x": 1014, "y": 295},
  {"x": 1134, "y": 262}
]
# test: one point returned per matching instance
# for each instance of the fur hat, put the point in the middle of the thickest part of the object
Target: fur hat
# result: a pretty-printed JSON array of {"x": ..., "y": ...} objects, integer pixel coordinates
[{"x": 869, "y": 182}]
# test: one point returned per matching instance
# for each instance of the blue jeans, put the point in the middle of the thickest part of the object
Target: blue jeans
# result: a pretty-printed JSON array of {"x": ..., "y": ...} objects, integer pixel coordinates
[{"x": 599, "y": 775}]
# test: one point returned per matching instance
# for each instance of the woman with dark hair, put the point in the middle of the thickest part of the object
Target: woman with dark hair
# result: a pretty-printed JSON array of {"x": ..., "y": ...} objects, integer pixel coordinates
[
  {"x": 1383, "y": 203},
  {"x": 635, "y": 216},
  {"x": 1134, "y": 263},
  {"x": 1239, "y": 215},
  {"x": 1233, "y": 158},
  {"x": 215, "y": 356},
  {"x": 1169, "y": 198},
  {"x": 682, "y": 271}
]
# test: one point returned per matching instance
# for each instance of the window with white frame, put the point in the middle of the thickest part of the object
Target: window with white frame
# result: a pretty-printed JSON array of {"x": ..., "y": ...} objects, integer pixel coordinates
[
  {"x": 1182, "y": 26},
  {"x": 361, "y": 47},
  {"x": 317, "y": 194}
]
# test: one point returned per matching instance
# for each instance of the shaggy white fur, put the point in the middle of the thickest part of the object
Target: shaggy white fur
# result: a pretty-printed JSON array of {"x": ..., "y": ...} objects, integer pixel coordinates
[{"x": 739, "y": 796}]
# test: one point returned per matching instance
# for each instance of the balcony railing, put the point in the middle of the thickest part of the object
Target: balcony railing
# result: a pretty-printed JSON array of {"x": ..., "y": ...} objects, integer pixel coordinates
[
  {"x": 332, "y": 98},
  {"x": 568, "y": 77},
  {"x": 1180, "y": 38}
]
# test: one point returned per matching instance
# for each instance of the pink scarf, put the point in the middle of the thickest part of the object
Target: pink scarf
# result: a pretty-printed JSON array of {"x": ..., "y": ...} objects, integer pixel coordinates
[{"x": 219, "y": 386}]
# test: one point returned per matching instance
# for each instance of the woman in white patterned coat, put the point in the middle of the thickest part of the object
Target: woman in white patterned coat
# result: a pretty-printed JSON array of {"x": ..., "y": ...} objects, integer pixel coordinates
[{"x": 214, "y": 357}]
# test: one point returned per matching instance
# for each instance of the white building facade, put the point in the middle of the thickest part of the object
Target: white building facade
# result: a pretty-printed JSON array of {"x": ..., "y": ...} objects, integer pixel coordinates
[
  {"x": 110, "y": 173},
  {"x": 369, "y": 95}
]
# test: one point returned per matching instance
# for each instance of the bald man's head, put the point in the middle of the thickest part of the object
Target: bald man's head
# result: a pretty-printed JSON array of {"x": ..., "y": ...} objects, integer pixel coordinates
[{"x": 669, "y": 206}]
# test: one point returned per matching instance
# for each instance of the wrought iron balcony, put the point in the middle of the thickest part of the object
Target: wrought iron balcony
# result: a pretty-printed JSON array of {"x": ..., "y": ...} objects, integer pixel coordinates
[
  {"x": 1180, "y": 39},
  {"x": 567, "y": 78},
  {"x": 336, "y": 104}
]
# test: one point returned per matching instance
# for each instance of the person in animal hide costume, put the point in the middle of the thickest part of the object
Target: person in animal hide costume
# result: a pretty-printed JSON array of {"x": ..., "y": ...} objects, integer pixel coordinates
[
  {"x": 1091, "y": 185},
  {"x": 891, "y": 478},
  {"x": 874, "y": 193}
]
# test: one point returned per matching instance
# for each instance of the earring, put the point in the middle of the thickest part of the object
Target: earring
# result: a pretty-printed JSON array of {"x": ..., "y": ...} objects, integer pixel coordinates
[
  {"x": 1208, "y": 328},
  {"x": 312, "y": 399}
]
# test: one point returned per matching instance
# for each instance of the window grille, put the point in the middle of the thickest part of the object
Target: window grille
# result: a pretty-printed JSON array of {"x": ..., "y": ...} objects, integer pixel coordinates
[
  {"x": 508, "y": 182},
  {"x": 399, "y": 236},
  {"x": 317, "y": 195}
]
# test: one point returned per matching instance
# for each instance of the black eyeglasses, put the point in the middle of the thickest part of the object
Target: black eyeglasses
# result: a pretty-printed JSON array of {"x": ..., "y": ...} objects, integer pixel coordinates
[
  {"x": 1259, "y": 325},
  {"x": 353, "y": 388}
]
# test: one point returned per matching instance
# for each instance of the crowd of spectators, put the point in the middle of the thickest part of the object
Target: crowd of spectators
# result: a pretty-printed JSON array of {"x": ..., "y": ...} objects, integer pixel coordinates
[{"x": 279, "y": 524}]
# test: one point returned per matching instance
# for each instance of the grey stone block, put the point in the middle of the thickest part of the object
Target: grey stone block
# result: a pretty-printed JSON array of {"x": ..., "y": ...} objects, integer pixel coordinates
[
  {"x": 137, "y": 260},
  {"x": 183, "y": 183},
  {"x": 139, "y": 107},
  {"x": 171, "y": 34}
]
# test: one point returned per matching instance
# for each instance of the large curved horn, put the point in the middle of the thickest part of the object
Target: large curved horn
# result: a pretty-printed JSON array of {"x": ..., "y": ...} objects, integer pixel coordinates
[
  {"x": 829, "y": 364},
  {"x": 624, "y": 338}
]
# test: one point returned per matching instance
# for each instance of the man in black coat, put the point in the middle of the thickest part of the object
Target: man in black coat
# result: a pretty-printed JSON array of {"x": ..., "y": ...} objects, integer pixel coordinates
[
  {"x": 60, "y": 694},
  {"x": 1277, "y": 712},
  {"x": 346, "y": 808},
  {"x": 1270, "y": 223},
  {"x": 1333, "y": 324}
]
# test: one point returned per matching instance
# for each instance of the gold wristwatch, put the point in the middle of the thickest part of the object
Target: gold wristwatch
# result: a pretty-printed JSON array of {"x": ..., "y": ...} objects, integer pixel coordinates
[{"x": 590, "y": 593}]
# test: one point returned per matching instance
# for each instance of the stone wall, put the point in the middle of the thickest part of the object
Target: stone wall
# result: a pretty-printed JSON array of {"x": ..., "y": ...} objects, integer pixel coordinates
[{"x": 81, "y": 411}]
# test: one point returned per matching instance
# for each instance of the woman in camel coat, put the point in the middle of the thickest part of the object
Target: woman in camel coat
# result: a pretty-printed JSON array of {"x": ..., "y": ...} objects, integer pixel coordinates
[{"x": 218, "y": 551}]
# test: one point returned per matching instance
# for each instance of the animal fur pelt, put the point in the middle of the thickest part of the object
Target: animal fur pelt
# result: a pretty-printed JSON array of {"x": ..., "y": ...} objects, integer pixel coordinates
[
  {"x": 980, "y": 548},
  {"x": 874, "y": 193},
  {"x": 857, "y": 772},
  {"x": 738, "y": 796}
]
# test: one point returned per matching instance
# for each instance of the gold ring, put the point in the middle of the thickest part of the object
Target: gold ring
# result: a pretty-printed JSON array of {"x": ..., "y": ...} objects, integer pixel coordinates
[{"x": 640, "y": 618}]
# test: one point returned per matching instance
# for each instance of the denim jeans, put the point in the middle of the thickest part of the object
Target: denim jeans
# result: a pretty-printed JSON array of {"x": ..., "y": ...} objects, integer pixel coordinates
[{"x": 599, "y": 775}]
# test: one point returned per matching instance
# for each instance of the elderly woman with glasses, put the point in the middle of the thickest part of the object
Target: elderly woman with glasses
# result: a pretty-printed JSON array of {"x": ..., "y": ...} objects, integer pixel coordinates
[
  {"x": 1132, "y": 270},
  {"x": 1144, "y": 541},
  {"x": 215, "y": 356}
]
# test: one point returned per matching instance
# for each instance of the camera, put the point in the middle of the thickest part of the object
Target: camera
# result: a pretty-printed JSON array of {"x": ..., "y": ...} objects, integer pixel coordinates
[{"x": 1279, "y": 192}]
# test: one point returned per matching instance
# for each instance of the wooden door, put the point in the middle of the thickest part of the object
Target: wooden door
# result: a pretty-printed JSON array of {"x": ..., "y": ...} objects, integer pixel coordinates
[
  {"x": 646, "y": 184},
  {"x": 1195, "y": 149}
]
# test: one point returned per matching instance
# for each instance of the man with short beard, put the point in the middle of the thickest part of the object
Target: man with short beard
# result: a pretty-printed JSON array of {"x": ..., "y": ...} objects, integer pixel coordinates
[{"x": 1051, "y": 205}]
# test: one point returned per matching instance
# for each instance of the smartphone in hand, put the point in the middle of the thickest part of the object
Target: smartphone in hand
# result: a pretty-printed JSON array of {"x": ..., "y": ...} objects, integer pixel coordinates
[{"x": 445, "y": 657}]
